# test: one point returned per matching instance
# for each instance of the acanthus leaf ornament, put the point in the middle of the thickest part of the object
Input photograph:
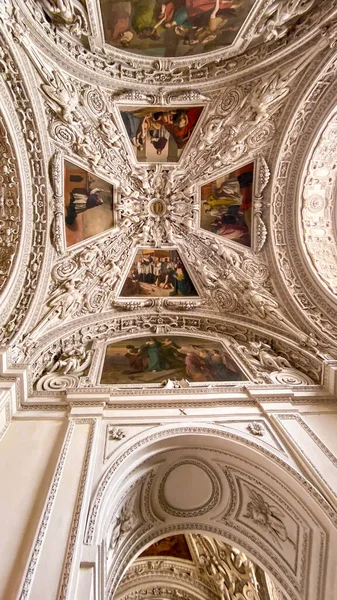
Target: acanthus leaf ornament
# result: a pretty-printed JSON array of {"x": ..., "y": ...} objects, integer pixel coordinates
[{"x": 123, "y": 523}]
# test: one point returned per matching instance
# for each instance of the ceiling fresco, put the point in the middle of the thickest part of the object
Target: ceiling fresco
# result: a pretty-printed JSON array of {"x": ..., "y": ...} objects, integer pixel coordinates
[
  {"x": 226, "y": 205},
  {"x": 173, "y": 28},
  {"x": 158, "y": 273},
  {"x": 160, "y": 134},
  {"x": 159, "y": 237},
  {"x": 87, "y": 204},
  {"x": 168, "y": 275},
  {"x": 156, "y": 359},
  {"x": 173, "y": 545}
]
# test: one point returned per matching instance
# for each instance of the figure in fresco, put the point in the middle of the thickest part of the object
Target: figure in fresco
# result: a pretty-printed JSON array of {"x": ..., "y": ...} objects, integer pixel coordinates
[
  {"x": 80, "y": 201},
  {"x": 227, "y": 205},
  {"x": 173, "y": 27},
  {"x": 162, "y": 130},
  {"x": 87, "y": 204},
  {"x": 157, "y": 359},
  {"x": 158, "y": 273},
  {"x": 182, "y": 283},
  {"x": 137, "y": 359}
]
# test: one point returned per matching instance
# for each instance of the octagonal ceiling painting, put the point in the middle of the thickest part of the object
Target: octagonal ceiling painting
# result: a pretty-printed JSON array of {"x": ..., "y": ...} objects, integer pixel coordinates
[{"x": 173, "y": 28}]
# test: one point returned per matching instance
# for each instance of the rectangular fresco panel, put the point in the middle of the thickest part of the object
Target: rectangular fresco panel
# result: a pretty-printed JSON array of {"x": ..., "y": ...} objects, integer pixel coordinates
[
  {"x": 226, "y": 205},
  {"x": 173, "y": 28},
  {"x": 160, "y": 134},
  {"x": 156, "y": 359},
  {"x": 158, "y": 273},
  {"x": 87, "y": 204}
]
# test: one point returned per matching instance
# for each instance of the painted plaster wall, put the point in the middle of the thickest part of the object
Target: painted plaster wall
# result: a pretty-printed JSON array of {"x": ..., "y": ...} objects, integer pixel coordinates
[{"x": 28, "y": 455}]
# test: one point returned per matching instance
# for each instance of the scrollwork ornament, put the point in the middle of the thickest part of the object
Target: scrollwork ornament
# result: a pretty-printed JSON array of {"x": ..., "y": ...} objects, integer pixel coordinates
[
  {"x": 225, "y": 300},
  {"x": 291, "y": 377},
  {"x": 263, "y": 133},
  {"x": 62, "y": 133},
  {"x": 231, "y": 102},
  {"x": 94, "y": 101},
  {"x": 64, "y": 269},
  {"x": 10, "y": 205},
  {"x": 59, "y": 382},
  {"x": 255, "y": 270}
]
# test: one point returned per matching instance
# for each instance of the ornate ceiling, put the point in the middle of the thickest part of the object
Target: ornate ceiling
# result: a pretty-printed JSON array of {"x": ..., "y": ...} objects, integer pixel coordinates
[
  {"x": 167, "y": 196},
  {"x": 194, "y": 566}
]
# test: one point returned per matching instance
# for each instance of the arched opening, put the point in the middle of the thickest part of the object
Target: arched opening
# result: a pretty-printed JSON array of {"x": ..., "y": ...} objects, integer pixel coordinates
[{"x": 202, "y": 480}]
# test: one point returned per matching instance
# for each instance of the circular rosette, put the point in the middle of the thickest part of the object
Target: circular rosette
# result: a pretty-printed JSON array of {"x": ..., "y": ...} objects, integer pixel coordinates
[
  {"x": 96, "y": 299},
  {"x": 62, "y": 133},
  {"x": 291, "y": 377},
  {"x": 315, "y": 203},
  {"x": 254, "y": 270},
  {"x": 225, "y": 300},
  {"x": 94, "y": 101},
  {"x": 261, "y": 135},
  {"x": 56, "y": 382},
  {"x": 64, "y": 270},
  {"x": 231, "y": 102}
]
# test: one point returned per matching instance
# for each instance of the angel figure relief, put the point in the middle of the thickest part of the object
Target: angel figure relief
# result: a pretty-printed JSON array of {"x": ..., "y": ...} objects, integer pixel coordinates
[{"x": 268, "y": 517}]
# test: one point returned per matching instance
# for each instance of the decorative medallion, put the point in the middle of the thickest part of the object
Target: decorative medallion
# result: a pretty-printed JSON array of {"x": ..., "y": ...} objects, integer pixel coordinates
[{"x": 188, "y": 489}]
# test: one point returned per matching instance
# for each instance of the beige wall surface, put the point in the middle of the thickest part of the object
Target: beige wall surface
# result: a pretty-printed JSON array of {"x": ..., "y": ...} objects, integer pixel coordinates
[{"x": 28, "y": 454}]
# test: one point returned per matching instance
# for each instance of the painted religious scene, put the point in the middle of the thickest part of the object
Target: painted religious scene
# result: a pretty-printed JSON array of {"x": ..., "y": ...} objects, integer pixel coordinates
[
  {"x": 158, "y": 273},
  {"x": 157, "y": 359},
  {"x": 87, "y": 204},
  {"x": 226, "y": 205},
  {"x": 160, "y": 134},
  {"x": 173, "y": 545},
  {"x": 173, "y": 27}
]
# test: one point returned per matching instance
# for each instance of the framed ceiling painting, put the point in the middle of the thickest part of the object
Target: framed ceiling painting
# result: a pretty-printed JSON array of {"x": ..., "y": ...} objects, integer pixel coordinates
[
  {"x": 154, "y": 359},
  {"x": 226, "y": 205},
  {"x": 88, "y": 204},
  {"x": 157, "y": 134},
  {"x": 178, "y": 28},
  {"x": 231, "y": 204},
  {"x": 158, "y": 273}
]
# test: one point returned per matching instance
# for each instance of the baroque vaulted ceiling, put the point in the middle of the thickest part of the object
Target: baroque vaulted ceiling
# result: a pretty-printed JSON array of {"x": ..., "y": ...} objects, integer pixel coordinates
[{"x": 167, "y": 197}]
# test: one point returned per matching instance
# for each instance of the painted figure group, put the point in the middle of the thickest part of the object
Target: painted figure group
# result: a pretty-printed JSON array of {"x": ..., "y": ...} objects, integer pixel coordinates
[
  {"x": 158, "y": 126},
  {"x": 200, "y": 364},
  {"x": 230, "y": 204},
  {"x": 162, "y": 273},
  {"x": 144, "y": 24}
]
